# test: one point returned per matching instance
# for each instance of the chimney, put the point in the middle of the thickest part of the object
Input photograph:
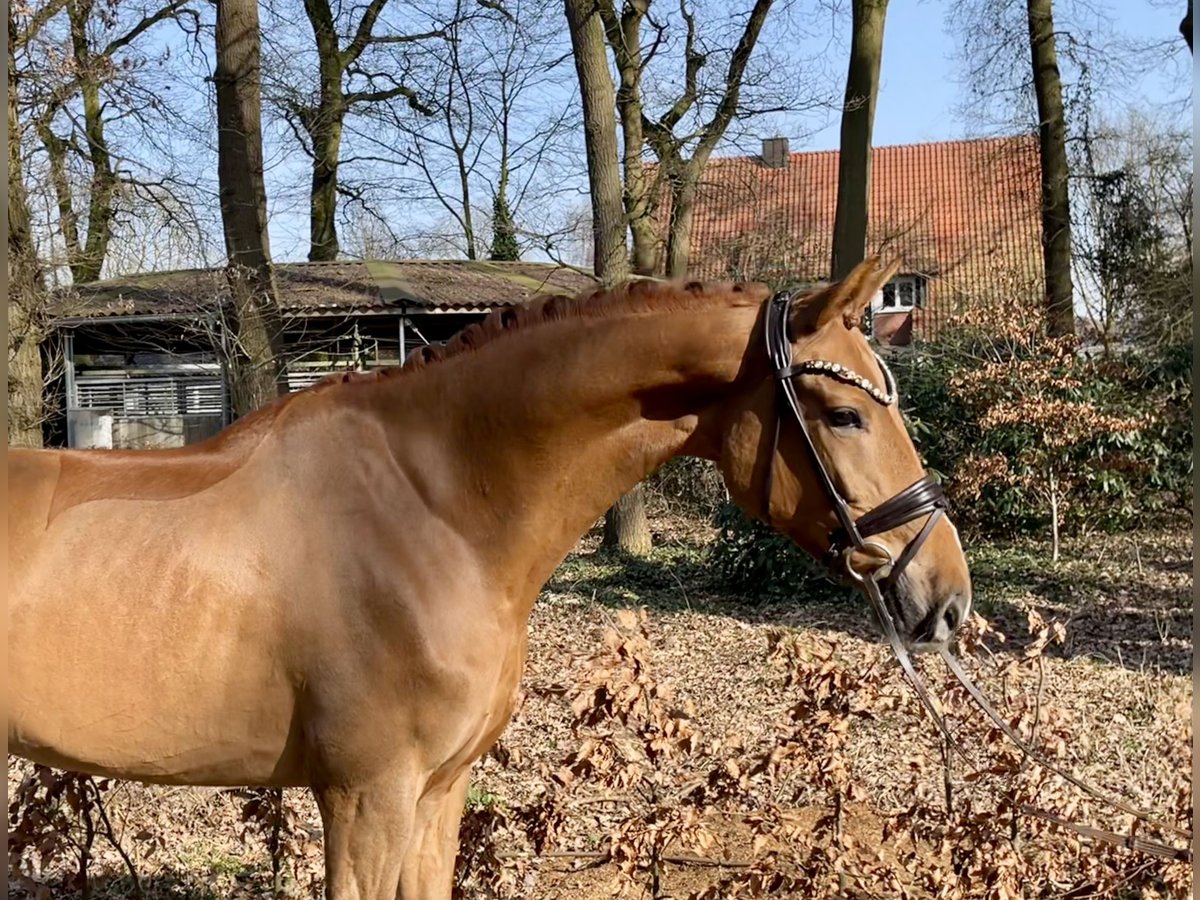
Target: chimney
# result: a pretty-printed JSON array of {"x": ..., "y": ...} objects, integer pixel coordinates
[{"x": 775, "y": 152}]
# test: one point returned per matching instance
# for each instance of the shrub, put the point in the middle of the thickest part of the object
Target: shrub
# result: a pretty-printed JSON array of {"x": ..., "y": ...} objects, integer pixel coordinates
[
  {"x": 1002, "y": 420},
  {"x": 760, "y": 563},
  {"x": 687, "y": 486},
  {"x": 1030, "y": 436}
]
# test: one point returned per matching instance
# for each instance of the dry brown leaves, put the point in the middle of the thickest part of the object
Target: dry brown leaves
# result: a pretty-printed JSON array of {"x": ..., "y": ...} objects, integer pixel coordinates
[
  {"x": 796, "y": 759},
  {"x": 970, "y": 839}
]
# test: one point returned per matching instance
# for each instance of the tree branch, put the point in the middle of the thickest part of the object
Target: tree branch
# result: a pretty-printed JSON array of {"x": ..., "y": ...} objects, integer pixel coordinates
[
  {"x": 362, "y": 35},
  {"x": 37, "y": 22},
  {"x": 694, "y": 62},
  {"x": 413, "y": 98},
  {"x": 728, "y": 106},
  {"x": 170, "y": 11},
  {"x": 406, "y": 38}
]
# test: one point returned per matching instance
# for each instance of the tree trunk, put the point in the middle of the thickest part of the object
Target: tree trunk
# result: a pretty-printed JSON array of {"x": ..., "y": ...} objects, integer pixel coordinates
[
  {"x": 504, "y": 230},
  {"x": 102, "y": 193},
  {"x": 683, "y": 205},
  {"x": 68, "y": 222},
  {"x": 625, "y": 41},
  {"x": 858, "y": 121},
  {"x": 88, "y": 263},
  {"x": 625, "y": 525},
  {"x": 256, "y": 361},
  {"x": 464, "y": 187},
  {"x": 327, "y": 143},
  {"x": 1056, "y": 210},
  {"x": 641, "y": 221},
  {"x": 1054, "y": 525},
  {"x": 610, "y": 260},
  {"x": 324, "y": 126},
  {"x": 25, "y": 287},
  {"x": 1186, "y": 26}
]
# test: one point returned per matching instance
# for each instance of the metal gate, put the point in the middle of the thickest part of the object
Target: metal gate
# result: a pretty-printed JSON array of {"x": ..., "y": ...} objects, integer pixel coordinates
[{"x": 141, "y": 410}]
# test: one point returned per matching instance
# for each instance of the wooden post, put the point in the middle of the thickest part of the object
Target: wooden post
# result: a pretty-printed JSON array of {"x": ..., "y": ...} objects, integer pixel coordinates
[{"x": 69, "y": 369}]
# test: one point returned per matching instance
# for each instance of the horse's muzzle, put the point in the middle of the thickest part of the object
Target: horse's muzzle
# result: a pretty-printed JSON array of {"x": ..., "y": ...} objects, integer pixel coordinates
[{"x": 925, "y": 625}]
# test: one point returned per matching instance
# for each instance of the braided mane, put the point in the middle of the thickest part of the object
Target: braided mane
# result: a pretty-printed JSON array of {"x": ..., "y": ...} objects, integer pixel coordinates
[
  {"x": 641, "y": 295},
  {"x": 638, "y": 296}
]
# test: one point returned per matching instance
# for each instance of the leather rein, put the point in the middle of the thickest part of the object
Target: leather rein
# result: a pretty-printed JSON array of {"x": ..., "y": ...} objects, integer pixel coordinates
[{"x": 924, "y": 497}]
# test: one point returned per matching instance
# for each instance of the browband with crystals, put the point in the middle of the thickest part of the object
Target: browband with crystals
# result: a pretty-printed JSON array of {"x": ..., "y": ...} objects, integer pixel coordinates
[{"x": 849, "y": 376}]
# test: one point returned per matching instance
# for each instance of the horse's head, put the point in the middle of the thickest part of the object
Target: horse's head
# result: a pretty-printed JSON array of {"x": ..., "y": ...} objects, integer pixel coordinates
[{"x": 817, "y": 448}]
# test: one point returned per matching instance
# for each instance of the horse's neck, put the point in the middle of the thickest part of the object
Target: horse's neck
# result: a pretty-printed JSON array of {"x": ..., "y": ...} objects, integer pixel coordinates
[{"x": 545, "y": 428}]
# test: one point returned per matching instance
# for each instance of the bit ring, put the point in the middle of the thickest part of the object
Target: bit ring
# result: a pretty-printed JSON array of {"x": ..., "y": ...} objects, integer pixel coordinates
[{"x": 873, "y": 574}]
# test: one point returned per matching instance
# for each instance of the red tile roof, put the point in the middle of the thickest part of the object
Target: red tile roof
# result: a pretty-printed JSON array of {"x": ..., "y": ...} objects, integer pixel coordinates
[{"x": 965, "y": 211}]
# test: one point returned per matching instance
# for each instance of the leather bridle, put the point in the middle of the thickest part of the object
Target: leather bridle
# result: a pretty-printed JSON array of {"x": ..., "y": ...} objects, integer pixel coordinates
[{"x": 922, "y": 498}]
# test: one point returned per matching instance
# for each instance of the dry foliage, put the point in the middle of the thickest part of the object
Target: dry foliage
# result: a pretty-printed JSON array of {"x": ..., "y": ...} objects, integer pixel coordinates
[
  {"x": 270, "y": 817},
  {"x": 682, "y": 799},
  {"x": 638, "y": 799},
  {"x": 54, "y": 819}
]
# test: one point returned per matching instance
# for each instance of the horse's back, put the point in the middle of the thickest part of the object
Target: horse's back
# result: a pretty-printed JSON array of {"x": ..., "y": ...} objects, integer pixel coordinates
[
  {"x": 31, "y": 473},
  {"x": 32, "y": 477}
]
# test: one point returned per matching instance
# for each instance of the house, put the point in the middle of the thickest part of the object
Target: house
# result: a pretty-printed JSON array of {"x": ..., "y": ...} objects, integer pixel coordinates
[
  {"x": 964, "y": 217},
  {"x": 138, "y": 356}
]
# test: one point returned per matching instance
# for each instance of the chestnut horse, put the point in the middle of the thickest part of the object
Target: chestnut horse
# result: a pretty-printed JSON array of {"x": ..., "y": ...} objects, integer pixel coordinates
[{"x": 334, "y": 591}]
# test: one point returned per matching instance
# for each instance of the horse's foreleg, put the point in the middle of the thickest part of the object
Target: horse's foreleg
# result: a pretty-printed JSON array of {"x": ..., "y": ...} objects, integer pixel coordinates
[
  {"x": 428, "y": 871},
  {"x": 368, "y": 831}
]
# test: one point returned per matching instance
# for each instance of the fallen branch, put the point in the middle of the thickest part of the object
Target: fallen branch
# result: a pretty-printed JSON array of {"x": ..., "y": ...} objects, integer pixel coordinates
[{"x": 680, "y": 859}]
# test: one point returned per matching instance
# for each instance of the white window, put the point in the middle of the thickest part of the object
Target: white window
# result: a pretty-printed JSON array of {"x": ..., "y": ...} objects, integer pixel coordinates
[{"x": 902, "y": 293}]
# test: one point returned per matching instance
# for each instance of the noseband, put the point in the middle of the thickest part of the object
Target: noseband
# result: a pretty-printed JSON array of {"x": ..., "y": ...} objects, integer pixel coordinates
[{"x": 923, "y": 497}]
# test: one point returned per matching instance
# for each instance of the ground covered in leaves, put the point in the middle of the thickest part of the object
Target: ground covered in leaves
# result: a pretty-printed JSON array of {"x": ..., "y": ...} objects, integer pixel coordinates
[{"x": 747, "y": 729}]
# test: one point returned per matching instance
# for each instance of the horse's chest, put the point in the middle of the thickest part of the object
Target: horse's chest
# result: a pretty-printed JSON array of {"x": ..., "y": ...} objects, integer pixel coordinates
[{"x": 435, "y": 674}]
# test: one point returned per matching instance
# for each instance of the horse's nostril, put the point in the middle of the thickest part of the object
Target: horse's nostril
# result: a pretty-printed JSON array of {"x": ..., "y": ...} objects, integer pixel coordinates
[{"x": 954, "y": 613}]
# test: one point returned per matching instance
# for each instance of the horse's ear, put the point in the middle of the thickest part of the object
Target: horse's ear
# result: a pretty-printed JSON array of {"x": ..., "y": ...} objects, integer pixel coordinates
[{"x": 843, "y": 300}]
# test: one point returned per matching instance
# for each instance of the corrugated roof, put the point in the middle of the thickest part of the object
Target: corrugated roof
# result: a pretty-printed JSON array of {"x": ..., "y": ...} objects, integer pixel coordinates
[
  {"x": 940, "y": 205},
  {"x": 314, "y": 289}
]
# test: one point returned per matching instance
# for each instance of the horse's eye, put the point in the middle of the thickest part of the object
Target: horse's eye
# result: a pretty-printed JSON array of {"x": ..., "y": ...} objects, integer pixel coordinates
[{"x": 845, "y": 417}]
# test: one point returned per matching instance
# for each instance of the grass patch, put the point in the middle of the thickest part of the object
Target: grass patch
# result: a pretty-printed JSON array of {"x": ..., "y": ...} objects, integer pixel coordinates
[{"x": 479, "y": 798}]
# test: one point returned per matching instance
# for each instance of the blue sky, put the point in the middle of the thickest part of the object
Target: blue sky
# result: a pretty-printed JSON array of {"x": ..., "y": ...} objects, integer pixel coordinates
[
  {"x": 920, "y": 90},
  {"x": 919, "y": 76}
]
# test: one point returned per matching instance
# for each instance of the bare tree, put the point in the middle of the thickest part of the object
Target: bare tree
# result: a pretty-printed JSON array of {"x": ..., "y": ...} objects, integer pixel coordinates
[
  {"x": 698, "y": 106},
  {"x": 1132, "y": 231},
  {"x": 256, "y": 364},
  {"x": 1024, "y": 70},
  {"x": 1012, "y": 52},
  {"x": 84, "y": 67},
  {"x": 26, "y": 289},
  {"x": 682, "y": 85},
  {"x": 625, "y": 525},
  {"x": 624, "y": 33},
  {"x": 598, "y": 98},
  {"x": 1052, "y": 134},
  {"x": 487, "y": 154},
  {"x": 351, "y": 75},
  {"x": 858, "y": 119},
  {"x": 461, "y": 126},
  {"x": 682, "y": 172}
]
